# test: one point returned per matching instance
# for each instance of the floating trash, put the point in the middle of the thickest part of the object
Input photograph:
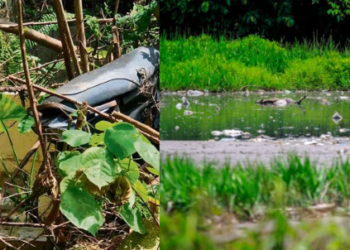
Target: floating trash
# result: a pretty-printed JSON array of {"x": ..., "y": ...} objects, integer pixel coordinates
[
  {"x": 232, "y": 132},
  {"x": 179, "y": 106},
  {"x": 216, "y": 133},
  {"x": 325, "y": 102},
  {"x": 344, "y": 130},
  {"x": 177, "y": 127},
  {"x": 310, "y": 142},
  {"x": 195, "y": 93},
  {"x": 188, "y": 112},
  {"x": 185, "y": 102},
  {"x": 337, "y": 118},
  {"x": 260, "y": 131}
]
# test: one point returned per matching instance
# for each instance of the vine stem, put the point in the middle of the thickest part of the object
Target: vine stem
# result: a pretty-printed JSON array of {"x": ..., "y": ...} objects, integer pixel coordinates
[{"x": 32, "y": 98}]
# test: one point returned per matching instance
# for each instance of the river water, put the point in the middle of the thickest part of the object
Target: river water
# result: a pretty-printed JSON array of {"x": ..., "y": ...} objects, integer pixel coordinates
[{"x": 238, "y": 111}]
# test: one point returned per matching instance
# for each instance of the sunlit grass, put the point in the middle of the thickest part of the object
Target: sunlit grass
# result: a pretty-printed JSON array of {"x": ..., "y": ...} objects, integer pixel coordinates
[
  {"x": 239, "y": 188},
  {"x": 217, "y": 65},
  {"x": 190, "y": 194}
]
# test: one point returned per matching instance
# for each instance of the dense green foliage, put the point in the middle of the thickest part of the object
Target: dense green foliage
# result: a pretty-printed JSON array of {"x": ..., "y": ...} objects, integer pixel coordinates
[
  {"x": 192, "y": 195},
  {"x": 269, "y": 18},
  {"x": 108, "y": 172},
  {"x": 216, "y": 65}
]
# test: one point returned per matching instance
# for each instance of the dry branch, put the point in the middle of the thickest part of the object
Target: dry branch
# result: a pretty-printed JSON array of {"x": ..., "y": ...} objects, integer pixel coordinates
[
  {"x": 106, "y": 116},
  {"x": 47, "y": 175},
  {"x": 15, "y": 25},
  {"x": 57, "y": 4},
  {"x": 78, "y": 4},
  {"x": 36, "y": 36},
  {"x": 62, "y": 19}
]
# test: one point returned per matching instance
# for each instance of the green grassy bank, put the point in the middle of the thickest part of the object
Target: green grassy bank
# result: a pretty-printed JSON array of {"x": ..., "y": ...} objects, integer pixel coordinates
[
  {"x": 208, "y": 64},
  {"x": 190, "y": 196}
]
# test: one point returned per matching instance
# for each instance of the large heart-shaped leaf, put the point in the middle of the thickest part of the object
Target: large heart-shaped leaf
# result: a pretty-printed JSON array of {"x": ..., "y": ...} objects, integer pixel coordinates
[
  {"x": 99, "y": 166},
  {"x": 132, "y": 217},
  {"x": 76, "y": 138},
  {"x": 79, "y": 206},
  {"x": 9, "y": 110},
  {"x": 68, "y": 162},
  {"x": 148, "y": 152},
  {"x": 120, "y": 139},
  {"x": 130, "y": 170}
]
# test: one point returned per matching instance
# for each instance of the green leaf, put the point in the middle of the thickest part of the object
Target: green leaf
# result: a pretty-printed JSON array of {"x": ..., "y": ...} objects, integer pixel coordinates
[
  {"x": 120, "y": 139},
  {"x": 153, "y": 171},
  {"x": 141, "y": 190},
  {"x": 76, "y": 138},
  {"x": 148, "y": 152},
  {"x": 131, "y": 172},
  {"x": 99, "y": 166},
  {"x": 9, "y": 110},
  {"x": 26, "y": 124},
  {"x": 68, "y": 162},
  {"x": 80, "y": 207},
  {"x": 205, "y": 7},
  {"x": 97, "y": 139},
  {"x": 132, "y": 217},
  {"x": 104, "y": 125}
]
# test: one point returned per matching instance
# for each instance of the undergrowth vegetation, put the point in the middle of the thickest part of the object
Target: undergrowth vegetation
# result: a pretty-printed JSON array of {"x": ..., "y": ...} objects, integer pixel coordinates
[
  {"x": 217, "y": 65},
  {"x": 281, "y": 191}
]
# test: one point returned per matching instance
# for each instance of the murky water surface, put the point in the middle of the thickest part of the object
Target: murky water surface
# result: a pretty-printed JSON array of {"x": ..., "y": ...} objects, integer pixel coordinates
[{"x": 220, "y": 112}]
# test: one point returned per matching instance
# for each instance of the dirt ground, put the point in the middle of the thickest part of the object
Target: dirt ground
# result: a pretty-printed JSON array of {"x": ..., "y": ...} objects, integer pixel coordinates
[{"x": 246, "y": 151}]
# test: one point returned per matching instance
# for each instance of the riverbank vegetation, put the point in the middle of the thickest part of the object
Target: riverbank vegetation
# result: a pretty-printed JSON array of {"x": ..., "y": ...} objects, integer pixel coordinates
[
  {"x": 196, "y": 201},
  {"x": 209, "y": 64}
]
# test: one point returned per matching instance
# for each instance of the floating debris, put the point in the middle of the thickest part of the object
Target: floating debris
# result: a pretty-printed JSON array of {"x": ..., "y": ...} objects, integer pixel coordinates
[
  {"x": 313, "y": 142},
  {"x": 177, "y": 127},
  {"x": 179, "y": 106},
  {"x": 185, "y": 102},
  {"x": 344, "y": 130},
  {"x": 188, "y": 112},
  {"x": 216, "y": 133},
  {"x": 325, "y": 102},
  {"x": 232, "y": 132},
  {"x": 260, "y": 131},
  {"x": 195, "y": 93},
  {"x": 336, "y": 117}
]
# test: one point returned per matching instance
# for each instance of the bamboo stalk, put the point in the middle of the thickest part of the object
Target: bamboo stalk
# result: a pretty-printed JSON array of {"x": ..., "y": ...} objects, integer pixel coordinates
[
  {"x": 37, "y": 37},
  {"x": 106, "y": 116},
  {"x": 81, "y": 35},
  {"x": 63, "y": 37},
  {"x": 69, "y": 41},
  {"x": 15, "y": 25}
]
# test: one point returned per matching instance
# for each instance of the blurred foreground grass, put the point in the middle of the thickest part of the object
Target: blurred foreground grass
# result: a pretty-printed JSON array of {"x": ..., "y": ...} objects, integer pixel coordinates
[{"x": 287, "y": 205}]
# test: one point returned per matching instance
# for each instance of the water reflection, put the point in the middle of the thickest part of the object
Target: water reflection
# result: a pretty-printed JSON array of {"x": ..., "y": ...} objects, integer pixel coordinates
[{"x": 219, "y": 112}]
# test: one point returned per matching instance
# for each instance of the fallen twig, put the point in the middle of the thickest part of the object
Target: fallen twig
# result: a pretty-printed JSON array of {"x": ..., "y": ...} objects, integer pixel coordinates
[{"x": 154, "y": 137}]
